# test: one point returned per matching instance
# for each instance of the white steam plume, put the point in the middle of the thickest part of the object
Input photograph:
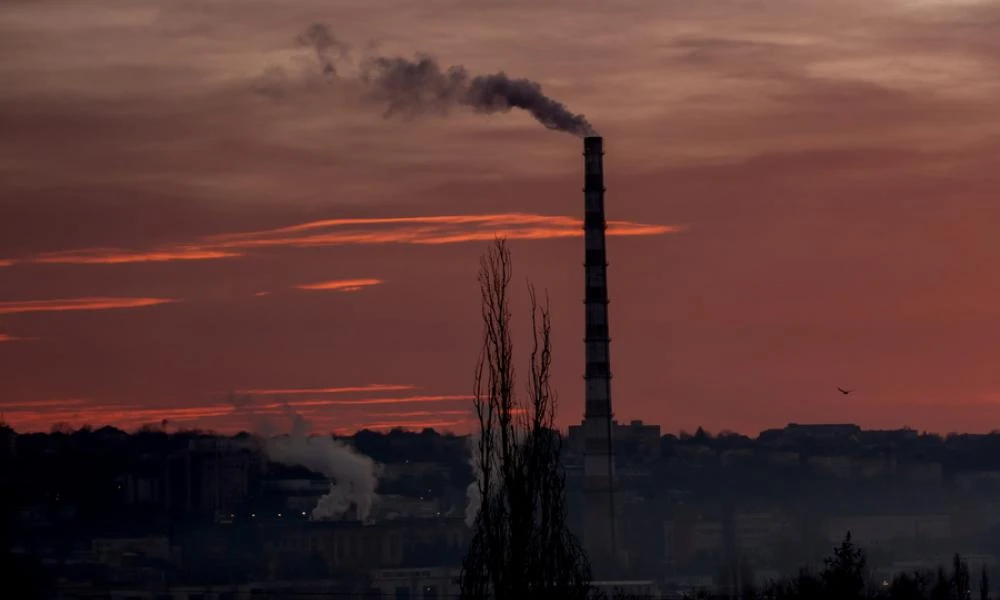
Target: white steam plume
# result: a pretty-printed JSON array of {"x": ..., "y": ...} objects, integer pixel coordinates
[
  {"x": 473, "y": 499},
  {"x": 353, "y": 476}
]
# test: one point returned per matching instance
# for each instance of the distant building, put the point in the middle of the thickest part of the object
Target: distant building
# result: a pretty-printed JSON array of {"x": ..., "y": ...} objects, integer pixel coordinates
[
  {"x": 208, "y": 479},
  {"x": 145, "y": 486},
  {"x": 875, "y": 467},
  {"x": 116, "y": 552},
  {"x": 874, "y": 531},
  {"x": 823, "y": 433},
  {"x": 356, "y": 547},
  {"x": 627, "y": 588},
  {"x": 638, "y": 441},
  {"x": 634, "y": 441},
  {"x": 889, "y": 436},
  {"x": 8, "y": 440},
  {"x": 756, "y": 534},
  {"x": 270, "y": 590},
  {"x": 786, "y": 458},
  {"x": 439, "y": 583},
  {"x": 838, "y": 466},
  {"x": 978, "y": 481},
  {"x": 391, "y": 507},
  {"x": 695, "y": 455},
  {"x": 686, "y": 586},
  {"x": 413, "y": 470},
  {"x": 922, "y": 473},
  {"x": 736, "y": 456},
  {"x": 134, "y": 561},
  {"x": 686, "y": 538}
]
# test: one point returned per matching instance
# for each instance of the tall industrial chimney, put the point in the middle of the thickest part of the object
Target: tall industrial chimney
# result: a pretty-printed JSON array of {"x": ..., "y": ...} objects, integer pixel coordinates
[{"x": 601, "y": 532}]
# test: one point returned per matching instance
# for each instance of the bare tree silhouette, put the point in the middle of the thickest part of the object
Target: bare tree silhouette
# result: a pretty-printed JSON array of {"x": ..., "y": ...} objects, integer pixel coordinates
[{"x": 521, "y": 547}]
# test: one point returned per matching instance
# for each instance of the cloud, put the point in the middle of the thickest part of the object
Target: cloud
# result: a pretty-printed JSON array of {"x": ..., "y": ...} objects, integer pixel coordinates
[
  {"x": 6, "y": 263},
  {"x": 426, "y": 230},
  {"x": 52, "y": 403},
  {"x": 41, "y": 414},
  {"x": 72, "y": 304},
  {"x": 111, "y": 256},
  {"x": 426, "y": 413},
  {"x": 124, "y": 415},
  {"x": 375, "y": 387},
  {"x": 410, "y": 425},
  {"x": 377, "y": 401},
  {"x": 429, "y": 230},
  {"x": 342, "y": 285},
  {"x": 12, "y": 338}
]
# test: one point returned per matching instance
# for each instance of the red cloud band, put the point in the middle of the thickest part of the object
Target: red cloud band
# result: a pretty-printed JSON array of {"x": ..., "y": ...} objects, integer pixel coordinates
[
  {"x": 375, "y": 387},
  {"x": 69, "y": 304},
  {"x": 34, "y": 415},
  {"x": 429, "y": 230},
  {"x": 340, "y": 285}
]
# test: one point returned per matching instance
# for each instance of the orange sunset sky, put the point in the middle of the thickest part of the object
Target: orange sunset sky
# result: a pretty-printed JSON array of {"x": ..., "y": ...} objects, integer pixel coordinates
[{"x": 803, "y": 195}]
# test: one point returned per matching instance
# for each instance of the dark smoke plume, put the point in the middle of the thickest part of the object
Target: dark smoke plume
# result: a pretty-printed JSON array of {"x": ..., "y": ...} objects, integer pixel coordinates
[
  {"x": 421, "y": 86},
  {"x": 319, "y": 38}
]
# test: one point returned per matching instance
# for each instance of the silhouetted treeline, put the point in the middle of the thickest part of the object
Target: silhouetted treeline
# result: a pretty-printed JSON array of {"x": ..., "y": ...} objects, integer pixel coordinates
[{"x": 846, "y": 575}]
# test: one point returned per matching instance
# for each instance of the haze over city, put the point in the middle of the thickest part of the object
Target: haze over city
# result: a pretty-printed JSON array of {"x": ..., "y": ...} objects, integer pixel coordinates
[{"x": 800, "y": 198}]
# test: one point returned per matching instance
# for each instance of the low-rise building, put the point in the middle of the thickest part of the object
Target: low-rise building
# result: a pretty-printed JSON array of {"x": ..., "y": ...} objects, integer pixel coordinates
[
  {"x": 627, "y": 588},
  {"x": 923, "y": 473},
  {"x": 437, "y": 583},
  {"x": 736, "y": 456},
  {"x": 687, "y": 538},
  {"x": 116, "y": 552},
  {"x": 978, "y": 481},
  {"x": 355, "y": 547},
  {"x": 635, "y": 441},
  {"x": 757, "y": 534},
  {"x": 874, "y": 531},
  {"x": 270, "y": 590},
  {"x": 875, "y": 467},
  {"x": 838, "y": 466}
]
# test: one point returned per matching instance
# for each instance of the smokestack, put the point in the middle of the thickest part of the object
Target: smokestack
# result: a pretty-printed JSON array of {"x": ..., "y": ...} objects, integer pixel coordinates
[
  {"x": 598, "y": 368},
  {"x": 601, "y": 537}
]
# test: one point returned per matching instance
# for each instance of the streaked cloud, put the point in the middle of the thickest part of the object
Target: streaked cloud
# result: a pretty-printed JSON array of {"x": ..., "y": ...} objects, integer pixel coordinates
[
  {"x": 51, "y": 403},
  {"x": 376, "y": 401},
  {"x": 425, "y": 413},
  {"x": 40, "y": 414},
  {"x": 342, "y": 285},
  {"x": 429, "y": 230},
  {"x": 114, "y": 256},
  {"x": 13, "y": 338},
  {"x": 375, "y": 387},
  {"x": 98, "y": 415},
  {"x": 388, "y": 425},
  {"x": 74, "y": 304}
]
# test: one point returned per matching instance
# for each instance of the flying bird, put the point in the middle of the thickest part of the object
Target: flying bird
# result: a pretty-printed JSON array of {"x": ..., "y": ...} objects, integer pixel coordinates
[{"x": 843, "y": 391}]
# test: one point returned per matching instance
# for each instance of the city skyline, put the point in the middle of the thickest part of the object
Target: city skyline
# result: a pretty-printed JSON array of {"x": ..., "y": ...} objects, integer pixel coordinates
[{"x": 800, "y": 194}]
